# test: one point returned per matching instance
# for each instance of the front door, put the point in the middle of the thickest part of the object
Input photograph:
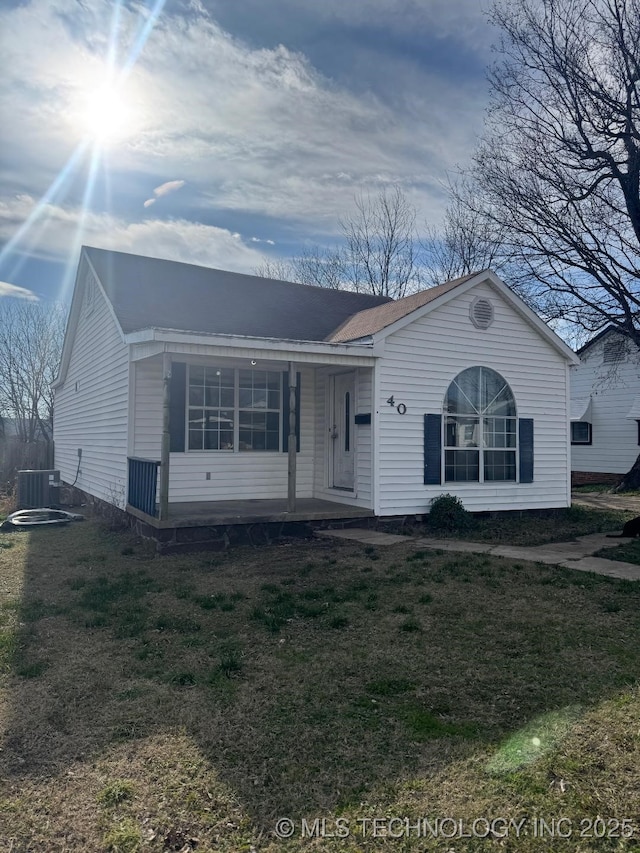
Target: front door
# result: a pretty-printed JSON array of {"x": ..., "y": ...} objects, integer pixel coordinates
[{"x": 342, "y": 433}]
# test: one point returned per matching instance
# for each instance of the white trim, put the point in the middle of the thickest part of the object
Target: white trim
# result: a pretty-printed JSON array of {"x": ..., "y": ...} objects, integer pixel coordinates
[
  {"x": 375, "y": 438},
  {"x": 176, "y": 336},
  {"x": 580, "y": 409}
]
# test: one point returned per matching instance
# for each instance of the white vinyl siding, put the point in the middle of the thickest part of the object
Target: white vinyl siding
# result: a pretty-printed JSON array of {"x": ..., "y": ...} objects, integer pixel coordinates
[
  {"x": 421, "y": 360},
  {"x": 233, "y": 475},
  {"x": 90, "y": 408},
  {"x": 613, "y": 388}
]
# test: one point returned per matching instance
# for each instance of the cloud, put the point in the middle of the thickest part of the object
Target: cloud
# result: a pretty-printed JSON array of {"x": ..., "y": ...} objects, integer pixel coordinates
[
  {"x": 164, "y": 189},
  {"x": 259, "y": 240},
  {"x": 59, "y": 228},
  {"x": 253, "y": 129},
  {"x": 12, "y": 290}
]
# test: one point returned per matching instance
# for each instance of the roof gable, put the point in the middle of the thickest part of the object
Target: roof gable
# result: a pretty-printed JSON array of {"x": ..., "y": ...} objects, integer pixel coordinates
[
  {"x": 383, "y": 321},
  {"x": 153, "y": 293},
  {"x": 374, "y": 320}
]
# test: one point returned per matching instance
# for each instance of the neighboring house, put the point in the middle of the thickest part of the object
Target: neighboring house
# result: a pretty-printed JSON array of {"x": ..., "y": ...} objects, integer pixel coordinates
[
  {"x": 460, "y": 388},
  {"x": 605, "y": 408}
]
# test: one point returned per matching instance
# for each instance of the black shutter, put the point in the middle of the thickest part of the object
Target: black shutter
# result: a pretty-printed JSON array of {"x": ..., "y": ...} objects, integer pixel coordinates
[
  {"x": 285, "y": 412},
  {"x": 178, "y": 392},
  {"x": 525, "y": 437},
  {"x": 432, "y": 450}
]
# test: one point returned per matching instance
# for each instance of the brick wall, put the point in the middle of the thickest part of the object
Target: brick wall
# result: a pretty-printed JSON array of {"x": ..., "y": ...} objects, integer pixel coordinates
[{"x": 582, "y": 478}]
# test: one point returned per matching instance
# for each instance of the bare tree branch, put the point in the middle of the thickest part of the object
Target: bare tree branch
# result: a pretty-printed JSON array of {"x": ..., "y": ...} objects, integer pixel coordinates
[
  {"x": 31, "y": 337},
  {"x": 557, "y": 175},
  {"x": 379, "y": 254}
]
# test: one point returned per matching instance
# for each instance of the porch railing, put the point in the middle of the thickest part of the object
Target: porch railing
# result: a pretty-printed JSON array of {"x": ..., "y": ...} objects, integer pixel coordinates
[{"x": 143, "y": 484}]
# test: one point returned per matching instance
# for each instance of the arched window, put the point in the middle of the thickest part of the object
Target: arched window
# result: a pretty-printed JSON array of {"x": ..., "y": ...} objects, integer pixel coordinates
[{"x": 479, "y": 428}]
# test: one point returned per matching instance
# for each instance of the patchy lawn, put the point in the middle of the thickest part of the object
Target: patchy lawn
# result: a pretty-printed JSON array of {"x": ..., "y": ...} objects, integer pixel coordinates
[
  {"x": 188, "y": 703},
  {"x": 560, "y": 525},
  {"x": 628, "y": 553}
]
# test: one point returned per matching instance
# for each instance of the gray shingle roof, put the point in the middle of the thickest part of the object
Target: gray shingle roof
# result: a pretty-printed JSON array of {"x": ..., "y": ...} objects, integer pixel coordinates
[{"x": 154, "y": 293}]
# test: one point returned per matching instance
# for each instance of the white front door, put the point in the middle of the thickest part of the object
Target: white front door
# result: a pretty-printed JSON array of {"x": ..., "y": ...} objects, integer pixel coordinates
[{"x": 342, "y": 432}]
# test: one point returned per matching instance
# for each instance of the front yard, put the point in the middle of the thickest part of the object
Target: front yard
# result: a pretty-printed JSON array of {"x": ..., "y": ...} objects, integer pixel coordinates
[{"x": 188, "y": 703}]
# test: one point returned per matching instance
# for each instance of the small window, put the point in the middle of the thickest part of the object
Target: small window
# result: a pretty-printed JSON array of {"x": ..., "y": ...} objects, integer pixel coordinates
[
  {"x": 580, "y": 432},
  {"x": 614, "y": 350}
]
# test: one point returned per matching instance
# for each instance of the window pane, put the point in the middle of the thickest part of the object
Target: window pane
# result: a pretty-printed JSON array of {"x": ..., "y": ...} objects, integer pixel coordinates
[
  {"x": 463, "y": 396},
  {"x": 461, "y": 466},
  {"x": 461, "y": 432},
  {"x": 502, "y": 404},
  {"x": 274, "y": 399},
  {"x": 499, "y": 465},
  {"x": 226, "y": 396},
  {"x": 196, "y": 395},
  {"x": 259, "y": 431},
  {"x": 195, "y": 439},
  {"x": 580, "y": 432},
  {"x": 499, "y": 432},
  {"x": 259, "y": 389},
  {"x": 196, "y": 375},
  {"x": 212, "y": 396}
]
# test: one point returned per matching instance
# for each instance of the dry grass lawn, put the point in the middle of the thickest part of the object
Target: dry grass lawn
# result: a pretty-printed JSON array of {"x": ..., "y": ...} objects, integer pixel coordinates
[{"x": 188, "y": 703}]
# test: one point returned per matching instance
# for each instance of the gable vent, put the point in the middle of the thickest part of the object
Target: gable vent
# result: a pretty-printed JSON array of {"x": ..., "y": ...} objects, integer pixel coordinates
[
  {"x": 481, "y": 313},
  {"x": 614, "y": 350}
]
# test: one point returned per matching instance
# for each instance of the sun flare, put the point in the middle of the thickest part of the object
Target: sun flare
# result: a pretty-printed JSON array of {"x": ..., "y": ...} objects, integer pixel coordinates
[{"x": 105, "y": 116}]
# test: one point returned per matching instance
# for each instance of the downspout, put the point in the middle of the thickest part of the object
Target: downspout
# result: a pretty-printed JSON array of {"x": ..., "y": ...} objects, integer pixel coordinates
[
  {"x": 165, "y": 446},
  {"x": 291, "y": 473}
]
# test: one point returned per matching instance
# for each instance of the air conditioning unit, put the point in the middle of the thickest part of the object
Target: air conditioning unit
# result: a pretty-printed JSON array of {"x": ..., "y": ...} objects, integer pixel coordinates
[{"x": 38, "y": 489}]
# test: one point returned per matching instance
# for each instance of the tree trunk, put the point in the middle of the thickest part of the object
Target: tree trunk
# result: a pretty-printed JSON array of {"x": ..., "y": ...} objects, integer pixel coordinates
[{"x": 631, "y": 479}]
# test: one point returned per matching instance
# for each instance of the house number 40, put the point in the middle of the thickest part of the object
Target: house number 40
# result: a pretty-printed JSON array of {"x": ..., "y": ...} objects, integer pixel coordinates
[{"x": 400, "y": 408}]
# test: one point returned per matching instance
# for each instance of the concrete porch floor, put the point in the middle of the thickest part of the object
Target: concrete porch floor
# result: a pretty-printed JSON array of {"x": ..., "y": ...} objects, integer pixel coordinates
[{"x": 214, "y": 513}]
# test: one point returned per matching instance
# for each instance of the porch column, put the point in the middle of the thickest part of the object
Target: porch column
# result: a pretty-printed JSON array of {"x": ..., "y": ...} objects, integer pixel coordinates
[
  {"x": 291, "y": 476},
  {"x": 166, "y": 437}
]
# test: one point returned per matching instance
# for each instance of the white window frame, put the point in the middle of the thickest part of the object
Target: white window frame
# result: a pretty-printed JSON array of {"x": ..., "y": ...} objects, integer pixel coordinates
[
  {"x": 479, "y": 447},
  {"x": 237, "y": 409},
  {"x": 590, "y": 433}
]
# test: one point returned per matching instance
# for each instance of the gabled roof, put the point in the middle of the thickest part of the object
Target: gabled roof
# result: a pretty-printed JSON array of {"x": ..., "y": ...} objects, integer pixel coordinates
[
  {"x": 153, "y": 293},
  {"x": 598, "y": 337},
  {"x": 373, "y": 320}
]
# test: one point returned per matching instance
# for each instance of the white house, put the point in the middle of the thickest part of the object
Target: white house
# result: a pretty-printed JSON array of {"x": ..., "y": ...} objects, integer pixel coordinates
[
  {"x": 605, "y": 408},
  {"x": 180, "y": 388}
]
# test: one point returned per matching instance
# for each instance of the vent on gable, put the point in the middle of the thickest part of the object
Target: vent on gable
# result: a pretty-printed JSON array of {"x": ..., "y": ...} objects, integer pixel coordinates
[
  {"x": 613, "y": 350},
  {"x": 481, "y": 313}
]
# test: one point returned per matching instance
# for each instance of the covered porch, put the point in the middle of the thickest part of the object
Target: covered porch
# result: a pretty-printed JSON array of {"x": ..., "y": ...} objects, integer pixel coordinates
[
  {"x": 292, "y": 475},
  {"x": 269, "y": 511}
]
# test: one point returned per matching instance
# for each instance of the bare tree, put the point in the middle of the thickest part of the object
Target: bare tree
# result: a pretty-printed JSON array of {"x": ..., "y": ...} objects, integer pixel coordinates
[
  {"x": 558, "y": 173},
  {"x": 467, "y": 241},
  {"x": 317, "y": 266},
  {"x": 381, "y": 245},
  {"x": 31, "y": 335},
  {"x": 378, "y": 255}
]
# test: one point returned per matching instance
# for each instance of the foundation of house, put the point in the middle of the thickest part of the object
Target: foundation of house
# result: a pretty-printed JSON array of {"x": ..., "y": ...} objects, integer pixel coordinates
[{"x": 587, "y": 478}]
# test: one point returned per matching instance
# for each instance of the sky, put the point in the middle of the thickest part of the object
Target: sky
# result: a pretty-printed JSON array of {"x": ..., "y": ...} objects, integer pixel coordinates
[{"x": 223, "y": 132}]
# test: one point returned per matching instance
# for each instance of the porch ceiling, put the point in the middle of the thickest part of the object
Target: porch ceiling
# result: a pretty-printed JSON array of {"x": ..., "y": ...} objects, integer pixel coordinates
[{"x": 214, "y": 513}]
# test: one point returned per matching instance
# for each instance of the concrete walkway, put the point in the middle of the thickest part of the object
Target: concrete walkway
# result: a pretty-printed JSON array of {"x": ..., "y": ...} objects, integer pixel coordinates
[{"x": 570, "y": 555}]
